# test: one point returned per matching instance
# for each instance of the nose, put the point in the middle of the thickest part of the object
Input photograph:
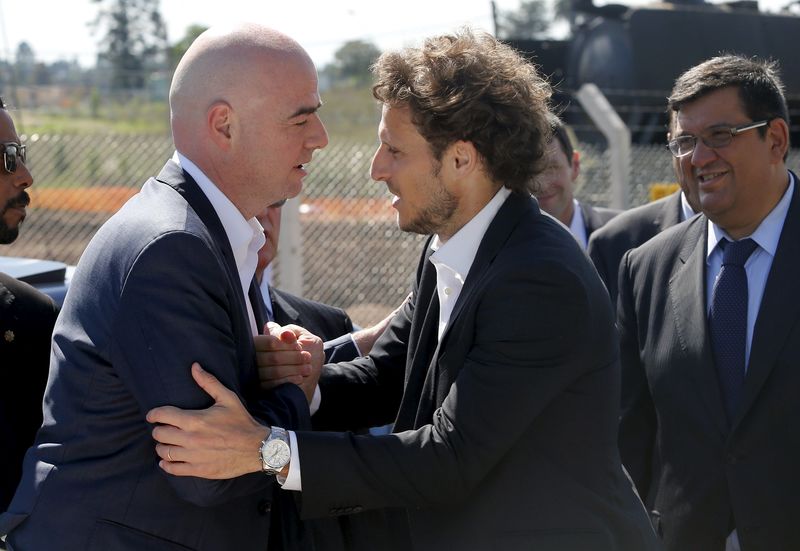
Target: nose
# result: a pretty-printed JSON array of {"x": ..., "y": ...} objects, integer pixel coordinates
[
  {"x": 21, "y": 178},
  {"x": 319, "y": 137},
  {"x": 702, "y": 154},
  {"x": 379, "y": 169}
]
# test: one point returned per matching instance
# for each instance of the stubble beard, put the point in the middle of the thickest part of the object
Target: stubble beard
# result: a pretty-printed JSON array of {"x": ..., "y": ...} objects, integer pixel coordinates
[
  {"x": 437, "y": 213},
  {"x": 7, "y": 233}
]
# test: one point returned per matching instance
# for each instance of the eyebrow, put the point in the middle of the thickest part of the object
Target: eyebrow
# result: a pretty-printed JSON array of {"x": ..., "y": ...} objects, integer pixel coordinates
[{"x": 306, "y": 111}]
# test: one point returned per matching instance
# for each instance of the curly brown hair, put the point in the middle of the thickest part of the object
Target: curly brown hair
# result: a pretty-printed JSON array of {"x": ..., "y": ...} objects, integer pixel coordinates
[{"x": 469, "y": 86}]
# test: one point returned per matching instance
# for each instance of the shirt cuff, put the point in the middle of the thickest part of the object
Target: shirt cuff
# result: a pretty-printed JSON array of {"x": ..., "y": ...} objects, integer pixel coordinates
[
  {"x": 355, "y": 345},
  {"x": 293, "y": 481}
]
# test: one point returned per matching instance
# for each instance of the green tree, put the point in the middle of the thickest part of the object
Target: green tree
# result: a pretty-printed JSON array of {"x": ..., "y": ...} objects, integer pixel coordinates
[
  {"x": 25, "y": 63},
  {"x": 179, "y": 48},
  {"x": 133, "y": 42},
  {"x": 353, "y": 59},
  {"x": 532, "y": 19}
]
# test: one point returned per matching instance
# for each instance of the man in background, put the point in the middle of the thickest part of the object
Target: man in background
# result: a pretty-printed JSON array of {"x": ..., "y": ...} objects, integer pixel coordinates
[
  {"x": 554, "y": 188},
  {"x": 709, "y": 318},
  {"x": 635, "y": 226},
  {"x": 27, "y": 317}
]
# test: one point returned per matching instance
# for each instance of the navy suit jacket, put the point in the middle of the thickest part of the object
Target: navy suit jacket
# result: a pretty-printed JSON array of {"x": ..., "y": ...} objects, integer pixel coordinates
[
  {"x": 699, "y": 474},
  {"x": 505, "y": 432},
  {"x": 156, "y": 289}
]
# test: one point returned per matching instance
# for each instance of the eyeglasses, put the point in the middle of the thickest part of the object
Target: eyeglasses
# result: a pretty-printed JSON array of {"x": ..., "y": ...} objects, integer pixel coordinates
[
  {"x": 718, "y": 136},
  {"x": 11, "y": 152},
  {"x": 278, "y": 204}
]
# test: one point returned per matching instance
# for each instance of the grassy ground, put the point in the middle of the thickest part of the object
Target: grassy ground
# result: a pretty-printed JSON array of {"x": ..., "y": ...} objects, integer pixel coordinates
[{"x": 349, "y": 113}]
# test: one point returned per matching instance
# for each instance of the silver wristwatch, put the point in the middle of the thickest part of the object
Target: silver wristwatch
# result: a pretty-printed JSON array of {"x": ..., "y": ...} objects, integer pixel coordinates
[{"x": 275, "y": 451}]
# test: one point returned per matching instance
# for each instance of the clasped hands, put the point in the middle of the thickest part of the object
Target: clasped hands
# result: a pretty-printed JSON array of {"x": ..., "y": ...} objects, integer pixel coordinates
[
  {"x": 289, "y": 354},
  {"x": 220, "y": 442}
]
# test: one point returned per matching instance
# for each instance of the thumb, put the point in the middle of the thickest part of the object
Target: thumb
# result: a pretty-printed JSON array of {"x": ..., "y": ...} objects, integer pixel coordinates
[
  {"x": 272, "y": 328},
  {"x": 212, "y": 386}
]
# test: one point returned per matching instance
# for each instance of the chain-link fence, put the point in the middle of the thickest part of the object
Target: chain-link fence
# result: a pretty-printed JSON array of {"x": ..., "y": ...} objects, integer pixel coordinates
[{"x": 353, "y": 254}]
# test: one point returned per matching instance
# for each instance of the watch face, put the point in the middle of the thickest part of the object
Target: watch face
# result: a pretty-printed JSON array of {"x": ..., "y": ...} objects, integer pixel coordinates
[{"x": 276, "y": 454}]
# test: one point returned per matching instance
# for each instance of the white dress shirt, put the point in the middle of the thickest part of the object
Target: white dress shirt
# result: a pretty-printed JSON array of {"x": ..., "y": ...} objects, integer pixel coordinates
[
  {"x": 246, "y": 237},
  {"x": 577, "y": 226},
  {"x": 452, "y": 259}
]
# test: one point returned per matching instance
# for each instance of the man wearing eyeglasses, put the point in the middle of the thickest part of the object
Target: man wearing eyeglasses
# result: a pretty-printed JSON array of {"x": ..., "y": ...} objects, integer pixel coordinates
[
  {"x": 709, "y": 316},
  {"x": 27, "y": 317}
]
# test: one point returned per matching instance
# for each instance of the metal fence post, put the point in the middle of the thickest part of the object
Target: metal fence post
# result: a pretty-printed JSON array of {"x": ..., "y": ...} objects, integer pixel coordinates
[
  {"x": 290, "y": 249},
  {"x": 619, "y": 141}
]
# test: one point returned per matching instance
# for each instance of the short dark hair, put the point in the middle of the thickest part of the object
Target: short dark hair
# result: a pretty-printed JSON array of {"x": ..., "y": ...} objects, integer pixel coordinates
[
  {"x": 560, "y": 133},
  {"x": 759, "y": 84},
  {"x": 469, "y": 86}
]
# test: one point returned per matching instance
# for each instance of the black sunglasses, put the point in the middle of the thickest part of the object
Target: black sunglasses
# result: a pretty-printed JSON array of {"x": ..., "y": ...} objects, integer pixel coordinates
[{"x": 11, "y": 152}]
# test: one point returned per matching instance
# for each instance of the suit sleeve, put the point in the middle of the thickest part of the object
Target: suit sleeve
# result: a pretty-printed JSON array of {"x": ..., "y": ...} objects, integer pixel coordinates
[
  {"x": 176, "y": 307},
  {"x": 366, "y": 391},
  {"x": 525, "y": 364},
  {"x": 341, "y": 349},
  {"x": 638, "y": 418}
]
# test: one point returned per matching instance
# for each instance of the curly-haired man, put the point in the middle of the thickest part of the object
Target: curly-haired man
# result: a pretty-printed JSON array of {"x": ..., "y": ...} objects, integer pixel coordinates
[{"x": 501, "y": 372}]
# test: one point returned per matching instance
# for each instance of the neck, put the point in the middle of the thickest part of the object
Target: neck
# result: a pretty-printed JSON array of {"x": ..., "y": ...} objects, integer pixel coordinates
[
  {"x": 770, "y": 196},
  {"x": 469, "y": 205},
  {"x": 567, "y": 214}
]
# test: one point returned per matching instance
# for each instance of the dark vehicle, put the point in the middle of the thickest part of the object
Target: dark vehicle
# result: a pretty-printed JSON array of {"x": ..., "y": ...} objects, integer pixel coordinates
[
  {"x": 49, "y": 276},
  {"x": 634, "y": 54}
]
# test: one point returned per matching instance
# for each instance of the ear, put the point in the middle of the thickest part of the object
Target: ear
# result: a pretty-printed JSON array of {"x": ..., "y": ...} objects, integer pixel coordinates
[
  {"x": 219, "y": 122},
  {"x": 576, "y": 165},
  {"x": 778, "y": 139},
  {"x": 462, "y": 158}
]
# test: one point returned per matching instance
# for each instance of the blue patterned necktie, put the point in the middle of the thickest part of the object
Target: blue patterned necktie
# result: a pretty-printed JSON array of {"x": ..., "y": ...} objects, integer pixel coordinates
[{"x": 728, "y": 321}]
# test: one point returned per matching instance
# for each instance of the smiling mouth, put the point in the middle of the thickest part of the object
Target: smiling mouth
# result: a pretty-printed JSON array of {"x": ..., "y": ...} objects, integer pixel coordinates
[{"x": 703, "y": 178}]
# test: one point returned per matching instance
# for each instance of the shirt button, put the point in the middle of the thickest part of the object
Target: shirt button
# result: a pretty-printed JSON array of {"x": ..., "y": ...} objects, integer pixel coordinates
[{"x": 447, "y": 291}]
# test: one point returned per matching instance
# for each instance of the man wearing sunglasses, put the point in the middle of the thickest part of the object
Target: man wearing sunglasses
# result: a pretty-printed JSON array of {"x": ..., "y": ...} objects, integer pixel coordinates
[
  {"x": 709, "y": 316},
  {"x": 27, "y": 317}
]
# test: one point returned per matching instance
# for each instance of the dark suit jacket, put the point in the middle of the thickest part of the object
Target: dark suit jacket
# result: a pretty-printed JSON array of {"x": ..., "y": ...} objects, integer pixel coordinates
[
  {"x": 327, "y": 322},
  {"x": 156, "y": 289},
  {"x": 628, "y": 230},
  {"x": 506, "y": 431},
  {"x": 595, "y": 218},
  {"x": 693, "y": 469},
  {"x": 26, "y": 325}
]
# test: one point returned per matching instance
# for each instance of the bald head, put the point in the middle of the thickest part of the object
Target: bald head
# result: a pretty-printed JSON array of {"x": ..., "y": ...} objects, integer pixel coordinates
[
  {"x": 243, "y": 106},
  {"x": 238, "y": 65}
]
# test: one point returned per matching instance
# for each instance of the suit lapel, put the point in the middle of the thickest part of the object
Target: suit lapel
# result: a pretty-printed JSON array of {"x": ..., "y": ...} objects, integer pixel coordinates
[
  {"x": 282, "y": 312},
  {"x": 178, "y": 179},
  {"x": 688, "y": 297},
  {"x": 422, "y": 339},
  {"x": 506, "y": 219},
  {"x": 780, "y": 306},
  {"x": 591, "y": 220}
]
